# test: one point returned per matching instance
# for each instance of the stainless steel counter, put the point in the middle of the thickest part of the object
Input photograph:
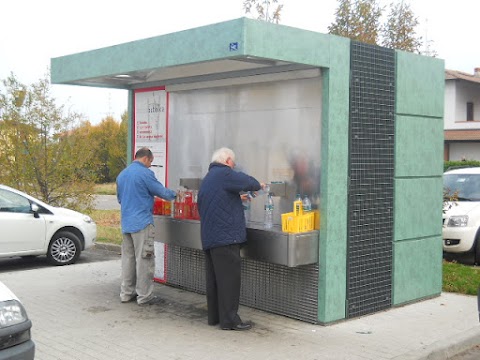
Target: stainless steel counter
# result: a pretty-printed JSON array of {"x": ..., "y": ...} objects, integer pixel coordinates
[{"x": 268, "y": 245}]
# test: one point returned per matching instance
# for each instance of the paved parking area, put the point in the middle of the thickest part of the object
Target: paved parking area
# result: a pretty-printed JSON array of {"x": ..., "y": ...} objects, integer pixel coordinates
[{"x": 77, "y": 315}]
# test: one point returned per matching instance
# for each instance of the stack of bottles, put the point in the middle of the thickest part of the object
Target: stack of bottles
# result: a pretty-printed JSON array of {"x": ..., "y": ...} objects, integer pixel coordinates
[
  {"x": 185, "y": 205},
  {"x": 162, "y": 207}
]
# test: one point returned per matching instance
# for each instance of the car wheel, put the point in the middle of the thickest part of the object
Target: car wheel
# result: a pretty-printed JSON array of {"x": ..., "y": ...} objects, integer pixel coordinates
[{"x": 64, "y": 249}]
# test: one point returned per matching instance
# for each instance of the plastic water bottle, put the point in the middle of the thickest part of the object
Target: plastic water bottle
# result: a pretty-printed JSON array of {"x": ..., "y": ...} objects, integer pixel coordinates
[
  {"x": 298, "y": 198},
  {"x": 268, "y": 212},
  {"x": 306, "y": 204},
  {"x": 246, "y": 209}
]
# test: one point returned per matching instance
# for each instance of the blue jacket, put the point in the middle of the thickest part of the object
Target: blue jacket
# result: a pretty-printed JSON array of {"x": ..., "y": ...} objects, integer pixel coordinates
[
  {"x": 220, "y": 206},
  {"x": 136, "y": 188}
]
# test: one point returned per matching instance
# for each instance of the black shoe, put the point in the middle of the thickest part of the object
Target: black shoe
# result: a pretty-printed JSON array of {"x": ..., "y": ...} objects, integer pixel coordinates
[
  {"x": 240, "y": 327},
  {"x": 152, "y": 301},
  {"x": 213, "y": 323}
]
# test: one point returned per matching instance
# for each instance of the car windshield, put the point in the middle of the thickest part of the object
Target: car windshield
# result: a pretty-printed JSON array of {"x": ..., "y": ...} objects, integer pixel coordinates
[{"x": 467, "y": 186}]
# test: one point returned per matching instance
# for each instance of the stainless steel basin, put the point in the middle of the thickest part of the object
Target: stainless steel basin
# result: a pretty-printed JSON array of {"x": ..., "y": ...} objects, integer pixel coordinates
[{"x": 268, "y": 245}]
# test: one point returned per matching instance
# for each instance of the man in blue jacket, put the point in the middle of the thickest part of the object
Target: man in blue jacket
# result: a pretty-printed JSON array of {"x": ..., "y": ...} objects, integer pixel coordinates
[
  {"x": 223, "y": 231},
  {"x": 136, "y": 189}
]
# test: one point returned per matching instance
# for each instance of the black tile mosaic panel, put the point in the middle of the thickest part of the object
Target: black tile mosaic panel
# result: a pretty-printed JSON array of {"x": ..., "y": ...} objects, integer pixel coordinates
[{"x": 371, "y": 179}]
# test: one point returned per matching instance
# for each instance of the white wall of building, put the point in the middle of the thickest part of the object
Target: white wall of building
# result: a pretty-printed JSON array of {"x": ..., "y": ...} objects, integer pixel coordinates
[
  {"x": 457, "y": 94},
  {"x": 464, "y": 150},
  {"x": 449, "y": 115}
]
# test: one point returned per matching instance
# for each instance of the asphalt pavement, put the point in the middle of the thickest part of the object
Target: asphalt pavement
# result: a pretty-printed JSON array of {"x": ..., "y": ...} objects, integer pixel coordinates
[
  {"x": 76, "y": 315},
  {"x": 106, "y": 202}
]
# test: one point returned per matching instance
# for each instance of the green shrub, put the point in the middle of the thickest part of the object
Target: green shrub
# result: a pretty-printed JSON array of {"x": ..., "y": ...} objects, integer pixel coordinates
[{"x": 460, "y": 163}]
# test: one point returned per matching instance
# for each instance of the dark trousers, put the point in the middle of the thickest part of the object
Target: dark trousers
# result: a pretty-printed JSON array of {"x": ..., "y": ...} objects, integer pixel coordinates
[{"x": 223, "y": 269}]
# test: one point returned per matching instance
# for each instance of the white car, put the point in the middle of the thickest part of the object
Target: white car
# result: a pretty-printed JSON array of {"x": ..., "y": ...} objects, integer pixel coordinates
[
  {"x": 29, "y": 227},
  {"x": 15, "y": 338},
  {"x": 461, "y": 218}
]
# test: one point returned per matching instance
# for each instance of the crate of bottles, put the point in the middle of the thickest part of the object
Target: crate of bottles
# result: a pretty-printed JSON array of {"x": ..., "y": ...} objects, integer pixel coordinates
[
  {"x": 316, "y": 216},
  {"x": 161, "y": 207},
  {"x": 298, "y": 221},
  {"x": 185, "y": 205}
]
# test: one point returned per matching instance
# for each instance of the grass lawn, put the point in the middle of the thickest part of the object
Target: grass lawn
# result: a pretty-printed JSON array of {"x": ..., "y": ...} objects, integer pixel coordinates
[
  {"x": 105, "y": 189},
  {"x": 108, "y": 226},
  {"x": 108, "y": 221},
  {"x": 459, "y": 278}
]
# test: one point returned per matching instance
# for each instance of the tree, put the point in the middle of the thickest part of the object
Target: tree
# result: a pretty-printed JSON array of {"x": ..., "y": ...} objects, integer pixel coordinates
[
  {"x": 111, "y": 141},
  {"x": 344, "y": 22},
  {"x": 38, "y": 156},
  {"x": 264, "y": 10},
  {"x": 108, "y": 140},
  {"x": 399, "y": 31},
  {"x": 358, "y": 20}
]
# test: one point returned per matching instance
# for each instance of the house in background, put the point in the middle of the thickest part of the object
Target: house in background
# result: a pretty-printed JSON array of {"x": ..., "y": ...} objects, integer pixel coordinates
[{"x": 462, "y": 115}]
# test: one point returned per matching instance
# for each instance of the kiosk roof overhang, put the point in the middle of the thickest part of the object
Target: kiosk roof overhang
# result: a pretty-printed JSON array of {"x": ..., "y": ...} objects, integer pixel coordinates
[{"x": 233, "y": 48}]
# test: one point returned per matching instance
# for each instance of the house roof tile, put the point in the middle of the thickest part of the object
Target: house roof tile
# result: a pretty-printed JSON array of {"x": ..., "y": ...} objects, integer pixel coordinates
[
  {"x": 454, "y": 74},
  {"x": 461, "y": 135}
]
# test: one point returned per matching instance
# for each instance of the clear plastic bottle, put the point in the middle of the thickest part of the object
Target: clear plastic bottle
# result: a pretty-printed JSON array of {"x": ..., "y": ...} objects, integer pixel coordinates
[
  {"x": 298, "y": 198},
  {"x": 268, "y": 223},
  {"x": 246, "y": 209},
  {"x": 306, "y": 204}
]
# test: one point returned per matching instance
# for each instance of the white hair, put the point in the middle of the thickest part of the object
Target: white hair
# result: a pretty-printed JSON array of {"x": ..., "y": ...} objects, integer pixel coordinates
[{"x": 221, "y": 155}]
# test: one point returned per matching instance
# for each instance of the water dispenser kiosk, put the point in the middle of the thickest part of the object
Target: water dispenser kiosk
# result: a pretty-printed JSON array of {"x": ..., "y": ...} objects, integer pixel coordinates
[{"x": 356, "y": 127}]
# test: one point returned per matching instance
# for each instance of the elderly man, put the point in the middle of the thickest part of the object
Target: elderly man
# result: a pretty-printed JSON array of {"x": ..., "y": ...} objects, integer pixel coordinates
[
  {"x": 136, "y": 189},
  {"x": 223, "y": 231}
]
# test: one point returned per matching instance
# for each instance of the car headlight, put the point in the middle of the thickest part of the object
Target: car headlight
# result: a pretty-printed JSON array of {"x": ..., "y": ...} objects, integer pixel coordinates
[
  {"x": 458, "y": 221},
  {"x": 87, "y": 219},
  {"x": 12, "y": 313},
  {"x": 14, "y": 324}
]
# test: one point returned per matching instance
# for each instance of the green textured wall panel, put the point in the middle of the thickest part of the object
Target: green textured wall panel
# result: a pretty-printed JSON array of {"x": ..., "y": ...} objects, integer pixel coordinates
[
  {"x": 334, "y": 175},
  {"x": 287, "y": 43},
  {"x": 420, "y": 85},
  {"x": 418, "y": 208},
  {"x": 417, "y": 269},
  {"x": 418, "y": 177},
  {"x": 418, "y": 146}
]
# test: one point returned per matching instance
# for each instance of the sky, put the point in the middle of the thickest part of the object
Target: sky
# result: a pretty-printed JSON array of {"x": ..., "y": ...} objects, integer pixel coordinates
[{"x": 34, "y": 31}]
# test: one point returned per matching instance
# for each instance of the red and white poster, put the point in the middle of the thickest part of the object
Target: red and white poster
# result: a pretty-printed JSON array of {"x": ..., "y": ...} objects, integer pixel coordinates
[
  {"x": 151, "y": 130},
  {"x": 151, "y": 120}
]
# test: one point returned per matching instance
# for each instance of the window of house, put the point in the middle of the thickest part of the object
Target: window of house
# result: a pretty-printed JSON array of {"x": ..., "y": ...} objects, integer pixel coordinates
[{"x": 469, "y": 111}]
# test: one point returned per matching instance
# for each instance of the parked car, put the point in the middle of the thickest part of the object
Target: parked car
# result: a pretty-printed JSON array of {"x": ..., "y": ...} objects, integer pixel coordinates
[
  {"x": 29, "y": 227},
  {"x": 461, "y": 218},
  {"x": 15, "y": 337}
]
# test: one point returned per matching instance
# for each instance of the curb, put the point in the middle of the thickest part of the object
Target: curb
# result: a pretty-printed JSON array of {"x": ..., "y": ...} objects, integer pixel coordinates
[
  {"x": 446, "y": 349},
  {"x": 455, "y": 345},
  {"x": 109, "y": 247}
]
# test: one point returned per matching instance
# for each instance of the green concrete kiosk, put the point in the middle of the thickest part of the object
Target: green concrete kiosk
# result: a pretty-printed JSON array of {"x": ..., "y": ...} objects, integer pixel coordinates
[{"x": 367, "y": 120}]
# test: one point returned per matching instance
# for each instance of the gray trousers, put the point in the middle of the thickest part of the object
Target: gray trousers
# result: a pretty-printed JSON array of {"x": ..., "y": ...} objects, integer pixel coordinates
[{"x": 138, "y": 265}]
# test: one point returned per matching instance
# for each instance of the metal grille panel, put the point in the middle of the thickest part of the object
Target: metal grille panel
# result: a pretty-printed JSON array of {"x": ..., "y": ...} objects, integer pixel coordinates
[
  {"x": 371, "y": 175},
  {"x": 282, "y": 290}
]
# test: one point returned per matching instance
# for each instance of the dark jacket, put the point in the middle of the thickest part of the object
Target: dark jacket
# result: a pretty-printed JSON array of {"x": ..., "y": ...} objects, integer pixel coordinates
[{"x": 220, "y": 206}]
